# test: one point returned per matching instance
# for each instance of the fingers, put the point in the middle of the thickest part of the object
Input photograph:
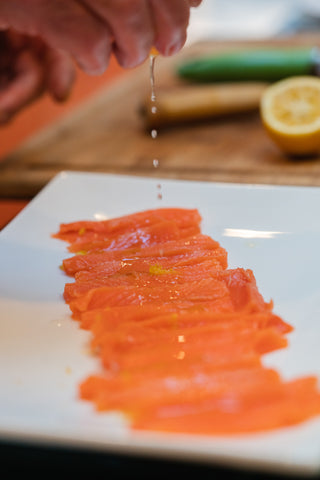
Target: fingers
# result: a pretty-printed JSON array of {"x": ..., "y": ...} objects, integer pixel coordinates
[
  {"x": 64, "y": 25},
  {"x": 137, "y": 25},
  {"x": 23, "y": 88},
  {"x": 60, "y": 74},
  {"x": 89, "y": 30},
  {"x": 131, "y": 25},
  {"x": 71, "y": 27},
  {"x": 28, "y": 68},
  {"x": 171, "y": 19}
]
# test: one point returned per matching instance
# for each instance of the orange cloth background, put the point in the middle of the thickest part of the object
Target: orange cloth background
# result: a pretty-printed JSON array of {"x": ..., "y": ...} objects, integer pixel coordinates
[{"x": 41, "y": 114}]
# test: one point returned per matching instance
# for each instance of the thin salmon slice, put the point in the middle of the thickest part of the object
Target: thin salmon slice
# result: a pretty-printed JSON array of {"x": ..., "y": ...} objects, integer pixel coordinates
[
  {"x": 176, "y": 252},
  {"x": 132, "y": 230},
  {"x": 264, "y": 410},
  {"x": 150, "y": 235},
  {"x": 71, "y": 232},
  {"x": 205, "y": 292},
  {"x": 221, "y": 292},
  {"x": 110, "y": 318},
  {"x": 219, "y": 350},
  {"x": 144, "y": 391},
  {"x": 106, "y": 327},
  {"x": 139, "y": 274}
]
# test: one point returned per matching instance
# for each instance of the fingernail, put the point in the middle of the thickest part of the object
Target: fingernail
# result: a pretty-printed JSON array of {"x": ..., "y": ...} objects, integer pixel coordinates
[
  {"x": 97, "y": 59},
  {"x": 174, "y": 47}
]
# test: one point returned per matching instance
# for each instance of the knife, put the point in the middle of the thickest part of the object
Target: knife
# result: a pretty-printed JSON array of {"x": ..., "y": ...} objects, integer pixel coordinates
[
  {"x": 265, "y": 65},
  {"x": 191, "y": 103}
]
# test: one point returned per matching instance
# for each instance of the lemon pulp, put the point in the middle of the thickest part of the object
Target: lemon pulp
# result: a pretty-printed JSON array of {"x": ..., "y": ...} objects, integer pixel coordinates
[{"x": 290, "y": 111}]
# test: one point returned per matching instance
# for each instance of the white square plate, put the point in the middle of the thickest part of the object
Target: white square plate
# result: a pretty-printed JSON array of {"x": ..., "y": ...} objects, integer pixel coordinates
[{"x": 274, "y": 230}]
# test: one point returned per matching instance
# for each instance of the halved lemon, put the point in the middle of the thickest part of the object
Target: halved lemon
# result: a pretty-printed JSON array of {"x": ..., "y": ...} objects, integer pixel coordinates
[{"x": 290, "y": 112}]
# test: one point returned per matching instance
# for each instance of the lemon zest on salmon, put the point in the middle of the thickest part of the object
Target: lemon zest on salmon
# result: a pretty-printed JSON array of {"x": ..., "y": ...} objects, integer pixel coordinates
[
  {"x": 82, "y": 252},
  {"x": 157, "y": 269}
]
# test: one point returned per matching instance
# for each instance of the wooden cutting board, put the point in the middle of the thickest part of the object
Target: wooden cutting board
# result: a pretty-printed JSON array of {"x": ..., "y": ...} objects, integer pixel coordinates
[{"x": 107, "y": 134}]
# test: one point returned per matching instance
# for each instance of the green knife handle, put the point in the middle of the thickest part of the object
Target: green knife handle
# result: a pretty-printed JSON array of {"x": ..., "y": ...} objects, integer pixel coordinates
[{"x": 255, "y": 65}]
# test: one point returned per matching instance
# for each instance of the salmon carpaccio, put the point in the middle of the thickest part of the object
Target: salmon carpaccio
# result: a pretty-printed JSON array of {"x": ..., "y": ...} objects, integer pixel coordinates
[{"x": 180, "y": 337}]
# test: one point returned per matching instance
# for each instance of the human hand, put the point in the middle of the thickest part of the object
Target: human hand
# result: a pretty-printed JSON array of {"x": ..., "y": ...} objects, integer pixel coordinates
[
  {"x": 91, "y": 30},
  {"x": 28, "y": 68}
]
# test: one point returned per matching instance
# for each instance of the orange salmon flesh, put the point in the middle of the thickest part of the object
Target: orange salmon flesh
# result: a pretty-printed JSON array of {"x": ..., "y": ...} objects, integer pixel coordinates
[{"x": 180, "y": 337}]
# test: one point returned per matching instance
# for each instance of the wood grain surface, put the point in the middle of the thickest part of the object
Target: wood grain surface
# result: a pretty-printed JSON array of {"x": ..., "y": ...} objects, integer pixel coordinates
[{"x": 108, "y": 134}]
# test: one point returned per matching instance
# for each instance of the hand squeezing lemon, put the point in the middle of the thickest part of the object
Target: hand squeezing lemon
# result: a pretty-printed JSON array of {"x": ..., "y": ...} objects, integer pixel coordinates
[{"x": 290, "y": 111}]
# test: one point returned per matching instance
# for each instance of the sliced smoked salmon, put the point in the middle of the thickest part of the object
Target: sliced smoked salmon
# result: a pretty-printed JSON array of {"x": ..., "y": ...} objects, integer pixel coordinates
[{"x": 180, "y": 336}]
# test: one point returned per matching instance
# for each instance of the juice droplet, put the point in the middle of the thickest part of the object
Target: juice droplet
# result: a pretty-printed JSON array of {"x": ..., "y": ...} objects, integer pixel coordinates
[
  {"x": 154, "y": 132},
  {"x": 152, "y": 62}
]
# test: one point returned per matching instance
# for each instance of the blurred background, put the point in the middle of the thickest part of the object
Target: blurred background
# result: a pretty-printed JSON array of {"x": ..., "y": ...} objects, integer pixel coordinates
[
  {"x": 214, "y": 20},
  {"x": 253, "y": 19}
]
